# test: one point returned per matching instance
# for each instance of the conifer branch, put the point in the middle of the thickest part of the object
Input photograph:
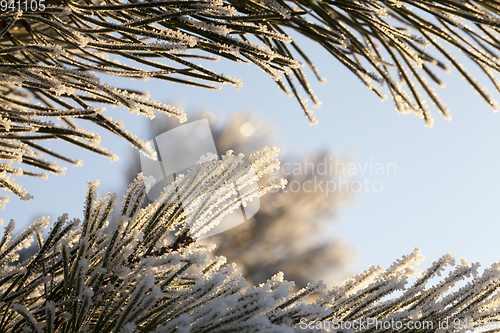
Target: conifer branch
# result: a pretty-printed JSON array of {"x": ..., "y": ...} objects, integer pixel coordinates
[
  {"x": 82, "y": 280},
  {"x": 52, "y": 58}
]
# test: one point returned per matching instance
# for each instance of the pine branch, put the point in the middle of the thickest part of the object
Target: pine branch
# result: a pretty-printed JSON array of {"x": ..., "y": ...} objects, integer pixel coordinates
[
  {"x": 82, "y": 280},
  {"x": 52, "y": 58}
]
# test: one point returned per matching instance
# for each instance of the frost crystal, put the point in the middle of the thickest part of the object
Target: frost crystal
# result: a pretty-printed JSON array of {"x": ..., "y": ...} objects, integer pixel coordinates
[
  {"x": 132, "y": 279},
  {"x": 52, "y": 60}
]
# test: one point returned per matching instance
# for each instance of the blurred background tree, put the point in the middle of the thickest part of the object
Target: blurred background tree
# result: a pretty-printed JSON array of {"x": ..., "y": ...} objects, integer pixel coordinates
[{"x": 291, "y": 232}]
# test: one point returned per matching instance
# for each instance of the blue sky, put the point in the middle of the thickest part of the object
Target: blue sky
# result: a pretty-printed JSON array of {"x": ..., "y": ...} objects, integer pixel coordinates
[{"x": 443, "y": 196}]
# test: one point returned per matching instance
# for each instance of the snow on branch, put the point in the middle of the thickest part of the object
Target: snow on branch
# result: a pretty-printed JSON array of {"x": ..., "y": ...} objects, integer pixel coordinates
[
  {"x": 132, "y": 279},
  {"x": 52, "y": 59}
]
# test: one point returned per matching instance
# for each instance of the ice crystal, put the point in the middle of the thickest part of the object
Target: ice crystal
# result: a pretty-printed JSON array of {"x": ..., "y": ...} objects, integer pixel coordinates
[
  {"x": 86, "y": 279},
  {"x": 52, "y": 60}
]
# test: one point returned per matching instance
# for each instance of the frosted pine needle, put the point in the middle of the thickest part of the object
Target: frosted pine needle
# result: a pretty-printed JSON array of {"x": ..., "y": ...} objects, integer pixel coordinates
[
  {"x": 84, "y": 279},
  {"x": 52, "y": 59}
]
